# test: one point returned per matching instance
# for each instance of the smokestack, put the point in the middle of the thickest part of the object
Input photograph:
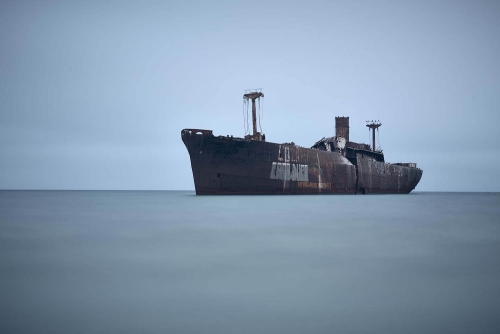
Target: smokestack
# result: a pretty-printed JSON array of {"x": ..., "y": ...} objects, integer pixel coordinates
[{"x": 342, "y": 127}]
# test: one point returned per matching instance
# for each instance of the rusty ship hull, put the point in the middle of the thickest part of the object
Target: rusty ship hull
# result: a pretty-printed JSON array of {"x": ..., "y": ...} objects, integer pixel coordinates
[{"x": 229, "y": 165}]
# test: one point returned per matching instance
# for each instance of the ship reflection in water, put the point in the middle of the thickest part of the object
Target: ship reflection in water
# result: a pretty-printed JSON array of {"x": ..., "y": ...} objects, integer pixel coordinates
[
  {"x": 173, "y": 262},
  {"x": 334, "y": 165}
]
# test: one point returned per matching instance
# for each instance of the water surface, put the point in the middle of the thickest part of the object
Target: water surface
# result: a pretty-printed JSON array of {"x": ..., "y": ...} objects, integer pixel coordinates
[{"x": 172, "y": 262}]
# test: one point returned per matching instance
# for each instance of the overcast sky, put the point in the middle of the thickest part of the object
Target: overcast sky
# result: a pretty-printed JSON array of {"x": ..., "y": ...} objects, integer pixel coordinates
[{"x": 94, "y": 94}]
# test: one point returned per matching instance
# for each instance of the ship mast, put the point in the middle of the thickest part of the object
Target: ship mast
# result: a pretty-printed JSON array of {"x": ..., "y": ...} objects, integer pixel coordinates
[
  {"x": 373, "y": 125},
  {"x": 253, "y": 96}
]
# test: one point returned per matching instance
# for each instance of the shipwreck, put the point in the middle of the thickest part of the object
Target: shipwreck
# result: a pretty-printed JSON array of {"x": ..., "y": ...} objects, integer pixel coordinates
[{"x": 333, "y": 165}]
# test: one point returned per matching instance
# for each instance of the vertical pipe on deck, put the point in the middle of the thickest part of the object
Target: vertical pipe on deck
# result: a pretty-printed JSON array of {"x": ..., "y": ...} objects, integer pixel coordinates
[
  {"x": 373, "y": 138},
  {"x": 254, "y": 119}
]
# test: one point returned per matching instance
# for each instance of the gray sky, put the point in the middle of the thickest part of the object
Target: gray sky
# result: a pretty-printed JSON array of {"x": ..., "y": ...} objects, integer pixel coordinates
[{"x": 94, "y": 94}]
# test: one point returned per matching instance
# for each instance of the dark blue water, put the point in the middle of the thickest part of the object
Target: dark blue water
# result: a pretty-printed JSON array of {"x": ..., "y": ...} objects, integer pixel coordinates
[{"x": 172, "y": 262}]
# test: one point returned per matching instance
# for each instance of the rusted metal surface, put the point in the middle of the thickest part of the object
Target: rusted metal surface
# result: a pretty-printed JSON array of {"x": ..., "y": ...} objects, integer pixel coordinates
[
  {"x": 333, "y": 165},
  {"x": 342, "y": 127},
  {"x": 223, "y": 165},
  {"x": 376, "y": 177}
]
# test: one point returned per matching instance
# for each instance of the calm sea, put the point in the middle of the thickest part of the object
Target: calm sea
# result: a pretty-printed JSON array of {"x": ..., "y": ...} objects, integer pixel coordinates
[{"x": 173, "y": 262}]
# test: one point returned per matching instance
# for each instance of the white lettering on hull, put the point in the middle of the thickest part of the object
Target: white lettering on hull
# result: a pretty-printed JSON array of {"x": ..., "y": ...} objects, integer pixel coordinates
[{"x": 286, "y": 171}]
